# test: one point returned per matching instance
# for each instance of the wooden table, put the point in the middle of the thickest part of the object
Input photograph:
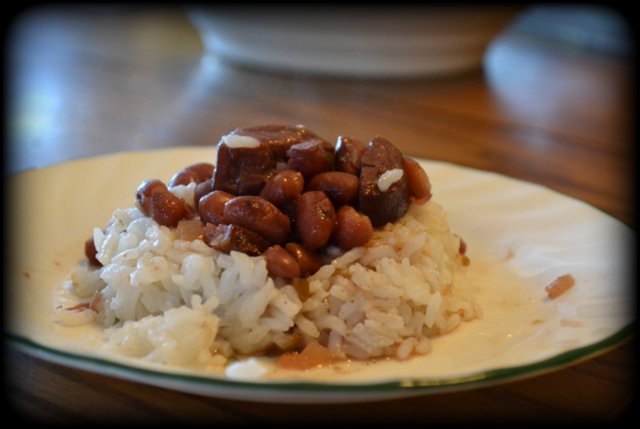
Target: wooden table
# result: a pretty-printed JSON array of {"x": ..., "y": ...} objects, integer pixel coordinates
[{"x": 99, "y": 80}]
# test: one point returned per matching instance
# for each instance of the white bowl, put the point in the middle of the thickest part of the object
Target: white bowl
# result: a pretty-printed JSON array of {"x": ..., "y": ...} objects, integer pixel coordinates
[{"x": 375, "y": 43}]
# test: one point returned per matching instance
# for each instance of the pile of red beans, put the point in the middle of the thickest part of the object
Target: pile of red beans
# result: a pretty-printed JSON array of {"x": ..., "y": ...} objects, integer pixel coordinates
[{"x": 302, "y": 206}]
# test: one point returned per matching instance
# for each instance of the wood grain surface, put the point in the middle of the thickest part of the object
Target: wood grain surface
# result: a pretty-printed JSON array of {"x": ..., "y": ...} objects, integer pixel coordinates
[{"x": 98, "y": 80}]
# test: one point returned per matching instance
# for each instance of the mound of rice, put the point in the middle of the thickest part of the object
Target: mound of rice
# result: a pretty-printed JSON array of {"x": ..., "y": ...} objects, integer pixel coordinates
[{"x": 183, "y": 303}]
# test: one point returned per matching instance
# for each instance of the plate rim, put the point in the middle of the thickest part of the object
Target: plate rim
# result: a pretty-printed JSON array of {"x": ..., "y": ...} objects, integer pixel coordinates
[{"x": 420, "y": 385}]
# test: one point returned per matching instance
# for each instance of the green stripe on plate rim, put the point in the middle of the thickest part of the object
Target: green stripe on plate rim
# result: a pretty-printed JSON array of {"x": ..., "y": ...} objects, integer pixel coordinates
[{"x": 405, "y": 385}]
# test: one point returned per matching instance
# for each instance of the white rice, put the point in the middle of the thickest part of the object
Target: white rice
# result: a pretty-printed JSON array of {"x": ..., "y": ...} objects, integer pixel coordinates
[
  {"x": 234, "y": 141},
  {"x": 388, "y": 178},
  {"x": 183, "y": 303}
]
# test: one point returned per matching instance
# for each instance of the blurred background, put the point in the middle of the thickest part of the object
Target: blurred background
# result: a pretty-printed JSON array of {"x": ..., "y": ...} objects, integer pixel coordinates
[
  {"x": 98, "y": 79},
  {"x": 466, "y": 85}
]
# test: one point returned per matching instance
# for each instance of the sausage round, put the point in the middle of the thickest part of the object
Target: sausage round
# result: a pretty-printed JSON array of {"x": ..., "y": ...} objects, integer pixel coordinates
[{"x": 382, "y": 207}]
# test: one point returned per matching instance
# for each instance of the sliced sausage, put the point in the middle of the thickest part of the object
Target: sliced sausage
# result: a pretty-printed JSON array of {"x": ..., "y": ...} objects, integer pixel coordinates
[
  {"x": 247, "y": 157},
  {"x": 258, "y": 215},
  {"x": 242, "y": 170},
  {"x": 278, "y": 137},
  {"x": 381, "y": 156},
  {"x": 316, "y": 219}
]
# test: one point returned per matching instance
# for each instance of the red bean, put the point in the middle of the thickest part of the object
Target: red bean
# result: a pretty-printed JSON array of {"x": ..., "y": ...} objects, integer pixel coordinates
[
  {"x": 183, "y": 177},
  {"x": 353, "y": 228},
  {"x": 418, "y": 181},
  {"x": 203, "y": 189},
  {"x": 308, "y": 260},
  {"x": 145, "y": 191},
  {"x": 316, "y": 219},
  {"x": 348, "y": 154},
  {"x": 155, "y": 201},
  {"x": 340, "y": 187},
  {"x": 281, "y": 263},
  {"x": 226, "y": 238},
  {"x": 197, "y": 173},
  {"x": 168, "y": 209},
  {"x": 211, "y": 206},
  {"x": 259, "y": 216},
  {"x": 311, "y": 157},
  {"x": 283, "y": 187},
  {"x": 91, "y": 252}
]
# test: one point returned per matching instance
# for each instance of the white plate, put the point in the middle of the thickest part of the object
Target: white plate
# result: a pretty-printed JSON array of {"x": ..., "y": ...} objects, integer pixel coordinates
[{"x": 520, "y": 237}]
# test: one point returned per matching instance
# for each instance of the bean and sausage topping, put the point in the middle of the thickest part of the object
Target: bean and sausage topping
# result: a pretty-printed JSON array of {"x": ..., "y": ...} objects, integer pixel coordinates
[{"x": 286, "y": 193}]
